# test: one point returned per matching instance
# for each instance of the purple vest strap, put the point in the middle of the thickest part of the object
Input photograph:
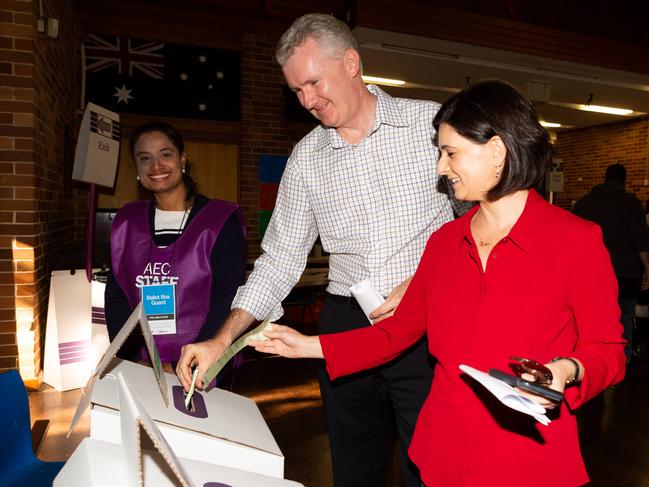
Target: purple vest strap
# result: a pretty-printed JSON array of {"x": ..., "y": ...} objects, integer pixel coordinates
[{"x": 136, "y": 260}]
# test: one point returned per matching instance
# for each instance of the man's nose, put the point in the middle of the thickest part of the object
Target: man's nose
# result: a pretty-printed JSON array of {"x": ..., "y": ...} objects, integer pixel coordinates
[{"x": 308, "y": 98}]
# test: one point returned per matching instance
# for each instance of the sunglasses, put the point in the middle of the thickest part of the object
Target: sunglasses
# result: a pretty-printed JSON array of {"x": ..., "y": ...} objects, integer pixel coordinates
[{"x": 541, "y": 373}]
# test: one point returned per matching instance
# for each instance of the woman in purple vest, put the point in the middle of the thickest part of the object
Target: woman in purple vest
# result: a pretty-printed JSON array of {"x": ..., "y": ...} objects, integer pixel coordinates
[{"x": 179, "y": 252}]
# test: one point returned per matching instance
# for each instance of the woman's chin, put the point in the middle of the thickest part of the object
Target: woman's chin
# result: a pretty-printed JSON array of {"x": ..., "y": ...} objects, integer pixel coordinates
[{"x": 459, "y": 194}]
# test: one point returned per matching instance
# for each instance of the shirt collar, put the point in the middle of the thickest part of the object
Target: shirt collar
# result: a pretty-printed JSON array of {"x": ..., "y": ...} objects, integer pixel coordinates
[
  {"x": 525, "y": 231},
  {"x": 388, "y": 112}
]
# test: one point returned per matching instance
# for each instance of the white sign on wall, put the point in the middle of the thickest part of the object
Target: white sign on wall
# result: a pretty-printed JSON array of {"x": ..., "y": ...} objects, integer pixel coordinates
[{"x": 97, "y": 153}]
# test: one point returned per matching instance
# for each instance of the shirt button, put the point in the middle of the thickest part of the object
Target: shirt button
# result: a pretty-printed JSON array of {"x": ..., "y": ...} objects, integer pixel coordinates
[
  {"x": 494, "y": 255},
  {"x": 505, "y": 240}
]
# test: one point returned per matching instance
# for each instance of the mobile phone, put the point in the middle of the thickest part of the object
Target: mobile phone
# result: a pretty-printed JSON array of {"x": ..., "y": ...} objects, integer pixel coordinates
[{"x": 515, "y": 381}]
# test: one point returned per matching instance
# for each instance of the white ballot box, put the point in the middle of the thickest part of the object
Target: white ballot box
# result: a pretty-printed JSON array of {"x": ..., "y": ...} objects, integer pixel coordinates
[
  {"x": 221, "y": 428},
  {"x": 101, "y": 464}
]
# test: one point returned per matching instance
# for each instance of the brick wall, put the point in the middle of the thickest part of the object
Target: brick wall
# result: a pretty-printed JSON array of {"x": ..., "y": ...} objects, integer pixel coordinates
[
  {"x": 36, "y": 104},
  {"x": 587, "y": 152},
  {"x": 263, "y": 129}
]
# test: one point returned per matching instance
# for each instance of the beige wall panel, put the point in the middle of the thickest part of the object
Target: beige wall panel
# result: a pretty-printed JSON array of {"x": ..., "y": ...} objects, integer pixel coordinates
[{"x": 215, "y": 167}]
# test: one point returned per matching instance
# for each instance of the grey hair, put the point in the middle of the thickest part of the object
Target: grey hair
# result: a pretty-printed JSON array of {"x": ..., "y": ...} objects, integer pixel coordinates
[{"x": 328, "y": 31}]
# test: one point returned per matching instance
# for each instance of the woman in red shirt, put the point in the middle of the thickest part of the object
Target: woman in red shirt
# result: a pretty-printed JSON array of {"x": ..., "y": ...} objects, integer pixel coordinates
[{"x": 514, "y": 276}]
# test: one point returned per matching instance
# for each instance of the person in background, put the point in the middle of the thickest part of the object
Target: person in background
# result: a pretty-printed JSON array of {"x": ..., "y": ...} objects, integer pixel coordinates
[
  {"x": 626, "y": 236},
  {"x": 176, "y": 238},
  {"x": 514, "y": 276},
  {"x": 365, "y": 181}
]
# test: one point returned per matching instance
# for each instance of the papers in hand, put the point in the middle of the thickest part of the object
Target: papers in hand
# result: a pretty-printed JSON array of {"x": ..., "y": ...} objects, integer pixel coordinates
[{"x": 507, "y": 395}]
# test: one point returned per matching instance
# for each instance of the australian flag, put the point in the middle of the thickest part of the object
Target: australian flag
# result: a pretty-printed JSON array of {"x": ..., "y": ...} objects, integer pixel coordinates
[{"x": 152, "y": 78}]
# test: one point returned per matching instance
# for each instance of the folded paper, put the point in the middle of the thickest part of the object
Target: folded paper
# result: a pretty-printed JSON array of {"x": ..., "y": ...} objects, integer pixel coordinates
[
  {"x": 507, "y": 395},
  {"x": 367, "y": 296}
]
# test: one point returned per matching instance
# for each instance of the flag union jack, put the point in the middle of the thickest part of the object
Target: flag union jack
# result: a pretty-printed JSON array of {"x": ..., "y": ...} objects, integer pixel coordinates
[{"x": 103, "y": 52}]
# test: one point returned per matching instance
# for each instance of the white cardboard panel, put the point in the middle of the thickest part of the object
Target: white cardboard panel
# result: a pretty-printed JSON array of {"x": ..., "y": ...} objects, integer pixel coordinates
[
  {"x": 68, "y": 348},
  {"x": 100, "y": 464}
]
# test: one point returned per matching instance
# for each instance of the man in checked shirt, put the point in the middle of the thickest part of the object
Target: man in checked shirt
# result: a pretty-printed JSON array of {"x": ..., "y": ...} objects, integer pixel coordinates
[{"x": 366, "y": 181}]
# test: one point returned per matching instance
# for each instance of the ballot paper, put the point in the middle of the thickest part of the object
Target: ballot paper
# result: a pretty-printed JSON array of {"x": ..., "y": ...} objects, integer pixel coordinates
[
  {"x": 232, "y": 350},
  {"x": 192, "y": 388},
  {"x": 507, "y": 395}
]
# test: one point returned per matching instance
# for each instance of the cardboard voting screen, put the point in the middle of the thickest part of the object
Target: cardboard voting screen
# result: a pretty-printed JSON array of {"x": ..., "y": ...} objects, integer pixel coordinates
[
  {"x": 137, "y": 318},
  {"x": 97, "y": 153},
  {"x": 68, "y": 349},
  {"x": 134, "y": 422}
]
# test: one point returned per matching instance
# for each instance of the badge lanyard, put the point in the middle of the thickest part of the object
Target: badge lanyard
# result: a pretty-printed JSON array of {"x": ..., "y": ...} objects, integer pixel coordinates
[{"x": 159, "y": 300}]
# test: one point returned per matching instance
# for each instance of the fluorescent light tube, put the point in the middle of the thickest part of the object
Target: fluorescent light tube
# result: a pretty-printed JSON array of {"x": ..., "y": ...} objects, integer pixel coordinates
[
  {"x": 383, "y": 81},
  {"x": 609, "y": 110}
]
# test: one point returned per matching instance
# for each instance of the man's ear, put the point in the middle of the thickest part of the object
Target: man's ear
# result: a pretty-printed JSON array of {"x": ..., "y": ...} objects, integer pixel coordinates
[{"x": 352, "y": 62}]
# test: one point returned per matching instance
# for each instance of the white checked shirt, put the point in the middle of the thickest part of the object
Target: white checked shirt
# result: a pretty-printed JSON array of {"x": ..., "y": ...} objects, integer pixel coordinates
[{"x": 374, "y": 205}]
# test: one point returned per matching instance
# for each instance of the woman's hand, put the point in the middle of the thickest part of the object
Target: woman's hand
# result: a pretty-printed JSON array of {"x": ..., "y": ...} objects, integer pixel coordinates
[
  {"x": 562, "y": 370},
  {"x": 289, "y": 343}
]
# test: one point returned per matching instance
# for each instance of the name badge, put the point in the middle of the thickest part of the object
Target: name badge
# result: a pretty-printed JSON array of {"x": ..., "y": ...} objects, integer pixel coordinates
[{"x": 159, "y": 304}]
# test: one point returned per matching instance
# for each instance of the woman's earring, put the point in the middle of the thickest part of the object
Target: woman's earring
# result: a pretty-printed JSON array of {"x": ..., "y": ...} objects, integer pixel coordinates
[
  {"x": 183, "y": 170},
  {"x": 137, "y": 178}
]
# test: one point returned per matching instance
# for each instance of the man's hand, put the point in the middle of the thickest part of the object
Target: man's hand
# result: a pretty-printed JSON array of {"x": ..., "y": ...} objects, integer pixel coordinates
[
  {"x": 202, "y": 355},
  {"x": 388, "y": 308}
]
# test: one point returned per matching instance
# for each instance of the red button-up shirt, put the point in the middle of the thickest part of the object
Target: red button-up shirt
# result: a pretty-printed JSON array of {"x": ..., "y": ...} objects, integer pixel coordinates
[{"x": 548, "y": 290}]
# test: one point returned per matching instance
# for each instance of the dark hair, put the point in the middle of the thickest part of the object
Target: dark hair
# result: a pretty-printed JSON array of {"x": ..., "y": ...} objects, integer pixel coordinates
[
  {"x": 616, "y": 172},
  {"x": 176, "y": 139},
  {"x": 489, "y": 108}
]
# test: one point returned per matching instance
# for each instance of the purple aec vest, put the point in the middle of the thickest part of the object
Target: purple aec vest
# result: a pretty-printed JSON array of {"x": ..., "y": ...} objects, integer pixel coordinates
[{"x": 137, "y": 261}]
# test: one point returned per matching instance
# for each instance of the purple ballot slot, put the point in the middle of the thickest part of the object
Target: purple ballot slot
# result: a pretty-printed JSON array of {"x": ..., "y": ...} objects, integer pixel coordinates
[
  {"x": 216, "y": 484},
  {"x": 197, "y": 407}
]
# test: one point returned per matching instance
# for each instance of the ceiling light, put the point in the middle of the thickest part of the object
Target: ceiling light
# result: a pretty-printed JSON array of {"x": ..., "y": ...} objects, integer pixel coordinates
[
  {"x": 550, "y": 125},
  {"x": 603, "y": 109},
  {"x": 383, "y": 81}
]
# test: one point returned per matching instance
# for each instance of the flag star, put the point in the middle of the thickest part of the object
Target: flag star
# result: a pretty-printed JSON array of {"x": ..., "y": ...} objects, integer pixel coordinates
[
  {"x": 219, "y": 75},
  {"x": 184, "y": 76},
  {"x": 210, "y": 86},
  {"x": 202, "y": 59},
  {"x": 122, "y": 94},
  {"x": 202, "y": 107}
]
